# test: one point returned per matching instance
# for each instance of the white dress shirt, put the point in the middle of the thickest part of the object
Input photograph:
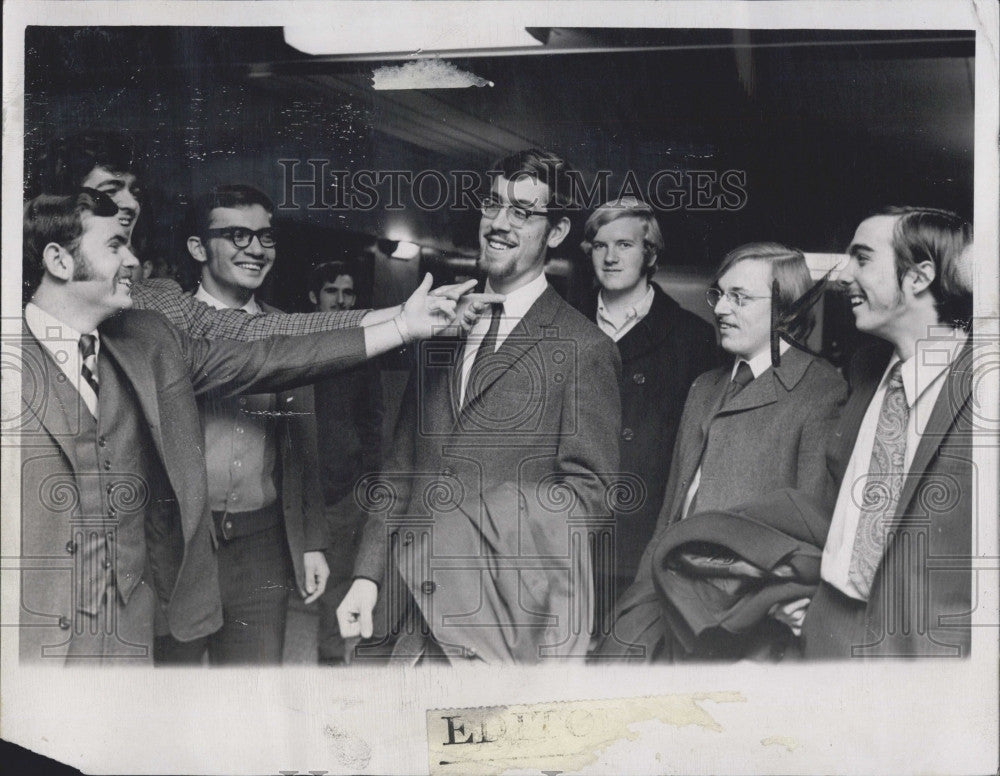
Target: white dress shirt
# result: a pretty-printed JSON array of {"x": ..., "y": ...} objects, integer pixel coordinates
[
  {"x": 63, "y": 342},
  {"x": 204, "y": 296},
  {"x": 923, "y": 377},
  {"x": 515, "y": 307},
  {"x": 617, "y": 326},
  {"x": 758, "y": 364}
]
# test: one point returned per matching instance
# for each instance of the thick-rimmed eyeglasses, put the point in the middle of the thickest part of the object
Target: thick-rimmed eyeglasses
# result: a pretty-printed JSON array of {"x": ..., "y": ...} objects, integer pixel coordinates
[
  {"x": 241, "y": 237},
  {"x": 516, "y": 214},
  {"x": 736, "y": 299}
]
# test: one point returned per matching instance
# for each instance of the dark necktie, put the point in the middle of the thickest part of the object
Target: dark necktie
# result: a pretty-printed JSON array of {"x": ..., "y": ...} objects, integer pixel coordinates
[
  {"x": 88, "y": 355},
  {"x": 486, "y": 348},
  {"x": 882, "y": 488},
  {"x": 742, "y": 378}
]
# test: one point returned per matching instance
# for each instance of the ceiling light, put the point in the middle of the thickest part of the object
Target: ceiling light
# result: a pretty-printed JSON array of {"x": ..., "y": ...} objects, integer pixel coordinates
[
  {"x": 411, "y": 28},
  {"x": 406, "y": 250}
]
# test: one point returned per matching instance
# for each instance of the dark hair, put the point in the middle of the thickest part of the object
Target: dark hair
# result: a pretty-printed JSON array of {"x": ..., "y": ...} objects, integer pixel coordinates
[
  {"x": 548, "y": 168},
  {"x": 50, "y": 218},
  {"x": 927, "y": 234},
  {"x": 627, "y": 207},
  {"x": 68, "y": 160},
  {"x": 328, "y": 272},
  {"x": 232, "y": 195},
  {"x": 789, "y": 269}
]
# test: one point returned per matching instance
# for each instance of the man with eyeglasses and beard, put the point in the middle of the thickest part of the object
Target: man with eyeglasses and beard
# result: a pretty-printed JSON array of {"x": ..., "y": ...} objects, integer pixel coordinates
[
  {"x": 748, "y": 428},
  {"x": 504, "y": 452}
]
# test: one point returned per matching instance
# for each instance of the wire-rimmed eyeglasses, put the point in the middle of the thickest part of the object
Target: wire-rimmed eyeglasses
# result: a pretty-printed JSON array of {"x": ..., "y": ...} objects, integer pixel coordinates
[{"x": 735, "y": 298}]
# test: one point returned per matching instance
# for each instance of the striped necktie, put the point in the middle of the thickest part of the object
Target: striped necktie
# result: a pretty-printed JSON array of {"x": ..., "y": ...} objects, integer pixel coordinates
[{"x": 88, "y": 355}]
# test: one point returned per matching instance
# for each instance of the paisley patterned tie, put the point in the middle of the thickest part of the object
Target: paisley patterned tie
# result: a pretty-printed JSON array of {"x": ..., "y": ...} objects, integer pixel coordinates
[{"x": 884, "y": 483}]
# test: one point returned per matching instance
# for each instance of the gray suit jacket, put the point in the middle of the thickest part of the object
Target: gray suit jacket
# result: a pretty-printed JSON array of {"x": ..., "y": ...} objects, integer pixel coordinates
[
  {"x": 167, "y": 369},
  {"x": 921, "y": 597},
  {"x": 481, "y": 516},
  {"x": 772, "y": 435}
]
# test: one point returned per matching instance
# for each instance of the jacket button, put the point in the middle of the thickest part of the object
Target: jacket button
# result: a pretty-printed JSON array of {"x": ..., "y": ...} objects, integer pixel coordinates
[
  {"x": 228, "y": 525},
  {"x": 64, "y": 623},
  {"x": 107, "y": 466},
  {"x": 106, "y": 563},
  {"x": 71, "y": 546},
  {"x": 628, "y": 434},
  {"x": 110, "y": 489},
  {"x": 427, "y": 587},
  {"x": 102, "y": 442},
  {"x": 638, "y": 378},
  {"x": 469, "y": 652}
]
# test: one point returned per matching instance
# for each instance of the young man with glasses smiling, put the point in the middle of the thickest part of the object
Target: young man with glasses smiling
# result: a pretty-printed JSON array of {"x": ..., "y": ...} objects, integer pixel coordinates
[
  {"x": 261, "y": 454},
  {"x": 748, "y": 428},
  {"x": 506, "y": 443}
]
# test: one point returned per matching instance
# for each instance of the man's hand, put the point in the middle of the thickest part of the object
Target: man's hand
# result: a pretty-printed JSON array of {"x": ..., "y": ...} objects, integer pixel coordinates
[
  {"x": 354, "y": 615},
  {"x": 316, "y": 572},
  {"x": 423, "y": 315},
  {"x": 791, "y": 614}
]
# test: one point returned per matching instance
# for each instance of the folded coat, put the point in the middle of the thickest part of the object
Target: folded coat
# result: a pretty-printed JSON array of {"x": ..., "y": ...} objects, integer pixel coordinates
[{"x": 718, "y": 573}]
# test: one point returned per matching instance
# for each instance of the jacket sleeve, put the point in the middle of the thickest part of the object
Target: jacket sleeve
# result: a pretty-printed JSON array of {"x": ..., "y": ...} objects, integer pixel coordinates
[
  {"x": 230, "y": 368},
  {"x": 812, "y": 473},
  {"x": 313, "y": 505},
  {"x": 201, "y": 320},
  {"x": 588, "y": 457},
  {"x": 370, "y": 562}
]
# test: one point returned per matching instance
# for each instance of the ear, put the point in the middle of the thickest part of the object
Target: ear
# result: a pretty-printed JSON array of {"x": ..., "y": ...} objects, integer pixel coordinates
[
  {"x": 312, "y": 298},
  {"x": 920, "y": 276},
  {"x": 197, "y": 250},
  {"x": 558, "y": 233},
  {"x": 58, "y": 261}
]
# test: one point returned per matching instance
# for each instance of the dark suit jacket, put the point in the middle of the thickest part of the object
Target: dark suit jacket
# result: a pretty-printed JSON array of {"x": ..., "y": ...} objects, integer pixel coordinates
[
  {"x": 661, "y": 356},
  {"x": 167, "y": 370},
  {"x": 298, "y": 454},
  {"x": 479, "y": 507},
  {"x": 921, "y": 596},
  {"x": 772, "y": 435}
]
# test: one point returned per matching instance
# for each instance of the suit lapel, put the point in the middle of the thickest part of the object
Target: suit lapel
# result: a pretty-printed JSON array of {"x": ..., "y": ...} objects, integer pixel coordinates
[
  {"x": 136, "y": 366},
  {"x": 46, "y": 394},
  {"x": 951, "y": 401},
  {"x": 524, "y": 336}
]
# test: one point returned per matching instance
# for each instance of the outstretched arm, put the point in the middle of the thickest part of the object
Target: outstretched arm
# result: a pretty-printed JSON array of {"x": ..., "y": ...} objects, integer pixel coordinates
[{"x": 201, "y": 320}]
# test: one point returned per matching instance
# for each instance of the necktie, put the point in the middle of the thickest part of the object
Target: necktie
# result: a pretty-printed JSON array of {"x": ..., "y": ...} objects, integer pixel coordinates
[
  {"x": 884, "y": 483},
  {"x": 486, "y": 348},
  {"x": 88, "y": 354},
  {"x": 742, "y": 378}
]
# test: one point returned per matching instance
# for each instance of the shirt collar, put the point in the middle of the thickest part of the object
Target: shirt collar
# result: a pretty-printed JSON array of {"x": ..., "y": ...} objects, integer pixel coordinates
[
  {"x": 204, "y": 296},
  {"x": 930, "y": 359},
  {"x": 519, "y": 301},
  {"x": 46, "y": 326},
  {"x": 637, "y": 311},
  {"x": 762, "y": 361}
]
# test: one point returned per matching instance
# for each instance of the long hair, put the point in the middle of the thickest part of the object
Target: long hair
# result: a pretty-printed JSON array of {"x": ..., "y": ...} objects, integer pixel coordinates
[
  {"x": 789, "y": 274},
  {"x": 939, "y": 236}
]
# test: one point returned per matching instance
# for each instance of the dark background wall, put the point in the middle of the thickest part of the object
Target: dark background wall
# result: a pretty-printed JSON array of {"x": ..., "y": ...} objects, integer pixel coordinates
[{"x": 825, "y": 126}]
